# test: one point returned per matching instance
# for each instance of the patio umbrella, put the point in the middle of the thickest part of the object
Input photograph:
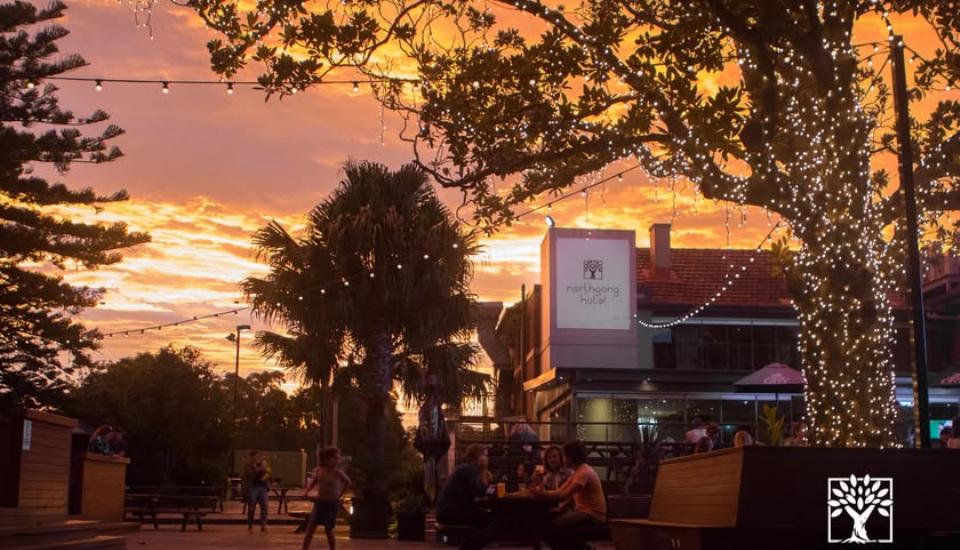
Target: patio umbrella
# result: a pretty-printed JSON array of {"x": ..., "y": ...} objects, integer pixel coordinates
[
  {"x": 775, "y": 377},
  {"x": 952, "y": 380}
]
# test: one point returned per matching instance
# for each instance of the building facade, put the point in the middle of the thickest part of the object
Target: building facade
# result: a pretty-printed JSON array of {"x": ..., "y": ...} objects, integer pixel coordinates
[{"x": 584, "y": 354}]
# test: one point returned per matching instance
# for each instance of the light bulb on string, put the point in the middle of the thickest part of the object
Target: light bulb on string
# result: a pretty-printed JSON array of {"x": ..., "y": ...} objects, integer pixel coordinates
[
  {"x": 99, "y": 85},
  {"x": 356, "y": 87},
  {"x": 166, "y": 88},
  {"x": 229, "y": 88}
]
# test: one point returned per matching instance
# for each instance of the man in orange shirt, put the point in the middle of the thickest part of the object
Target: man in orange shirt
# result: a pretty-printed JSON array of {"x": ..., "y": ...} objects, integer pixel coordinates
[{"x": 589, "y": 504}]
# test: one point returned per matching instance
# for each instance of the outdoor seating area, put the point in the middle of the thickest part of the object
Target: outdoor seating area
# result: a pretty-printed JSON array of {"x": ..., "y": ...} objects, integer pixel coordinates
[{"x": 517, "y": 274}]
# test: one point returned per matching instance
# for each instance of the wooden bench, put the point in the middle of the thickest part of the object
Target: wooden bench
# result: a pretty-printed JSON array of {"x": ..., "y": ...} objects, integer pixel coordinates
[
  {"x": 189, "y": 507},
  {"x": 776, "y": 497}
]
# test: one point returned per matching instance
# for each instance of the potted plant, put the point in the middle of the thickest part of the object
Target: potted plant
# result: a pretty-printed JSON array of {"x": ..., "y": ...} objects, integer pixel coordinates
[
  {"x": 411, "y": 517},
  {"x": 773, "y": 425}
]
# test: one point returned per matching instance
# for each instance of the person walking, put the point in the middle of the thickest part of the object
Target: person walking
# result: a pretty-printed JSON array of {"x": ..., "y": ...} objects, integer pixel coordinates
[
  {"x": 256, "y": 475},
  {"x": 331, "y": 482}
]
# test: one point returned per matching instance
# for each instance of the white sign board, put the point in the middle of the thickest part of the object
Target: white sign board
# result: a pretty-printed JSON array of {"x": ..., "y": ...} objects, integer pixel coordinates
[
  {"x": 27, "y": 435},
  {"x": 593, "y": 281}
]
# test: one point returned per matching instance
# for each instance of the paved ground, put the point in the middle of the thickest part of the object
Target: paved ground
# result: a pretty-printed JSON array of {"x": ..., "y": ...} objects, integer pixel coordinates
[{"x": 280, "y": 536}]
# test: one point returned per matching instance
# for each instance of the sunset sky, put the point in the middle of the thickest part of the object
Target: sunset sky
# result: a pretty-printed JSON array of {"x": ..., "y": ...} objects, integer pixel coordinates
[{"x": 205, "y": 170}]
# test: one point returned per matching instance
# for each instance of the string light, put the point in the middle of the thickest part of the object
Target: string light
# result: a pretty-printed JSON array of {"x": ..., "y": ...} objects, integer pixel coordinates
[
  {"x": 192, "y": 319},
  {"x": 229, "y": 88},
  {"x": 98, "y": 85},
  {"x": 322, "y": 289},
  {"x": 166, "y": 88},
  {"x": 729, "y": 278}
]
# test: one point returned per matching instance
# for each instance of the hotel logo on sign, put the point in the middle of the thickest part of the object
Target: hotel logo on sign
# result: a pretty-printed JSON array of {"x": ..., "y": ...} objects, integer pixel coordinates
[
  {"x": 593, "y": 270},
  {"x": 861, "y": 507}
]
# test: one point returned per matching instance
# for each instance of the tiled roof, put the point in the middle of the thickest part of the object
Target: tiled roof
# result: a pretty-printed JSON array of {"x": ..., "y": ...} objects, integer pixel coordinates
[{"x": 697, "y": 274}]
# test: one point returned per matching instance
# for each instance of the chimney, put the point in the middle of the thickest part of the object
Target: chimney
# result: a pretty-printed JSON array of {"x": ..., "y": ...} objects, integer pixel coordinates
[{"x": 660, "y": 249}]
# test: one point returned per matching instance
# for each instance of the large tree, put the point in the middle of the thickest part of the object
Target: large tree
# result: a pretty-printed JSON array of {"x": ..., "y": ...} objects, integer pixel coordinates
[
  {"x": 172, "y": 408},
  {"x": 376, "y": 290},
  {"x": 37, "y": 329},
  {"x": 768, "y": 104}
]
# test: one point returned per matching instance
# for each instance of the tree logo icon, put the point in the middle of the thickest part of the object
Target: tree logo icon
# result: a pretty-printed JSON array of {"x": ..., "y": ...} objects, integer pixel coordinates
[
  {"x": 593, "y": 270},
  {"x": 860, "y": 506}
]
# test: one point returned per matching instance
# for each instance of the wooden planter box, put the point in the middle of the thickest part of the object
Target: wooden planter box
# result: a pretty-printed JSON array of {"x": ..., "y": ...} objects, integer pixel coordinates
[
  {"x": 776, "y": 497},
  {"x": 100, "y": 482}
]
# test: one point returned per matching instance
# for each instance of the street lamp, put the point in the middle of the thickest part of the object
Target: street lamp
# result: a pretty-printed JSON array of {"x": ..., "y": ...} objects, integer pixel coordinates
[{"x": 236, "y": 387}]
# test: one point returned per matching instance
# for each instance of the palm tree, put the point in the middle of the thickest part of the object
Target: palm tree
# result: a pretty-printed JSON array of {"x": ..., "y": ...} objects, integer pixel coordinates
[{"x": 377, "y": 289}]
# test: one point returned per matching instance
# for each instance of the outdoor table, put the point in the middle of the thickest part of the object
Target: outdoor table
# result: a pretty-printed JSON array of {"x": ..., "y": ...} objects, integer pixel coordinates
[
  {"x": 281, "y": 494},
  {"x": 518, "y": 516}
]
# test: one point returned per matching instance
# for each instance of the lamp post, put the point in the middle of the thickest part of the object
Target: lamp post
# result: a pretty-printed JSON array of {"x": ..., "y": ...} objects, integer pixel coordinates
[
  {"x": 236, "y": 388},
  {"x": 921, "y": 405}
]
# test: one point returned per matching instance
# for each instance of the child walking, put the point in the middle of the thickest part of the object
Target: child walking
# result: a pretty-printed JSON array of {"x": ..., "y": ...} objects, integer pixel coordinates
[{"x": 331, "y": 483}]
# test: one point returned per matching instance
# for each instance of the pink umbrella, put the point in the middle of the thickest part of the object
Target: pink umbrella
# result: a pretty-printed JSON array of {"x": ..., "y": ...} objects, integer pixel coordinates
[
  {"x": 773, "y": 377},
  {"x": 952, "y": 380}
]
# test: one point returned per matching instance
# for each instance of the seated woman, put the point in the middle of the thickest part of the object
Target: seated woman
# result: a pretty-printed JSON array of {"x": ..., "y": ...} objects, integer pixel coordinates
[
  {"x": 457, "y": 504},
  {"x": 551, "y": 474},
  {"x": 742, "y": 438}
]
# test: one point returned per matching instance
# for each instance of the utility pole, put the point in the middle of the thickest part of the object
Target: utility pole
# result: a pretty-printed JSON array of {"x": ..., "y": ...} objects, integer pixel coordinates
[
  {"x": 921, "y": 405},
  {"x": 236, "y": 389}
]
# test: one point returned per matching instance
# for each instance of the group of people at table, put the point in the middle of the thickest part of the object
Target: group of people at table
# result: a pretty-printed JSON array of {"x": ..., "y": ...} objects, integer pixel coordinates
[{"x": 563, "y": 477}]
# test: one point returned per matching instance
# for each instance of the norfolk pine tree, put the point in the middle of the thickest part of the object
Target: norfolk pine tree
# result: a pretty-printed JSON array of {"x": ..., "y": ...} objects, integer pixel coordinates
[{"x": 38, "y": 334}]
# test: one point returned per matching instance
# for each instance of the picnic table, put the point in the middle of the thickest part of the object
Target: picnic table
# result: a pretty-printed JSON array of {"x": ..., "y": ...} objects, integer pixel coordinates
[{"x": 194, "y": 507}]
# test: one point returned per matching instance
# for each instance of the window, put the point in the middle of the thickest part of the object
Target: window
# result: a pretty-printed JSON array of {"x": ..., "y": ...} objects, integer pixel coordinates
[
  {"x": 764, "y": 346},
  {"x": 715, "y": 347},
  {"x": 787, "y": 339},
  {"x": 741, "y": 348},
  {"x": 739, "y": 411},
  {"x": 725, "y": 347},
  {"x": 664, "y": 350},
  {"x": 689, "y": 349}
]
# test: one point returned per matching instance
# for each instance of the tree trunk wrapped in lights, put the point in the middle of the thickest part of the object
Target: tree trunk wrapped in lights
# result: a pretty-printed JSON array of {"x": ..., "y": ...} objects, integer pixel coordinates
[{"x": 766, "y": 104}]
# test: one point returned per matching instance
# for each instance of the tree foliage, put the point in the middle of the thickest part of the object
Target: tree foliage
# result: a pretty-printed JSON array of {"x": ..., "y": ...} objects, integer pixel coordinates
[
  {"x": 376, "y": 290},
  {"x": 37, "y": 330},
  {"x": 173, "y": 410},
  {"x": 769, "y": 104},
  {"x": 176, "y": 412}
]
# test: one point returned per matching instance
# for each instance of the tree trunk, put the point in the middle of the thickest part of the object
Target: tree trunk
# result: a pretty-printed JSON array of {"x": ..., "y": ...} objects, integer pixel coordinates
[
  {"x": 378, "y": 386},
  {"x": 371, "y": 515},
  {"x": 859, "y": 534},
  {"x": 846, "y": 328}
]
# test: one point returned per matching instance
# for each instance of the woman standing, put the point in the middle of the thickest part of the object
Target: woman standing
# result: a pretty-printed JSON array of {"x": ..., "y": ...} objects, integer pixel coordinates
[
  {"x": 256, "y": 475},
  {"x": 331, "y": 482}
]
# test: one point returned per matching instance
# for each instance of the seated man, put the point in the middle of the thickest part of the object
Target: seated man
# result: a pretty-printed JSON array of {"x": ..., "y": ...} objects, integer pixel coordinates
[
  {"x": 457, "y": 504},
  {"x": 589, "y": 504}
]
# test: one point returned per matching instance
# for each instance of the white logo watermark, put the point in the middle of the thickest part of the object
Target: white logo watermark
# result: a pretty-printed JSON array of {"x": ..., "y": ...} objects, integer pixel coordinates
[{"x": 852, "y": 502}]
